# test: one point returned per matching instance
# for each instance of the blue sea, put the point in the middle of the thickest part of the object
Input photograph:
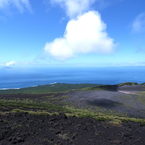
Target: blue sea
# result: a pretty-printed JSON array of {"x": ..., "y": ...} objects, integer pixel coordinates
[{"x": 28, "y": 77}]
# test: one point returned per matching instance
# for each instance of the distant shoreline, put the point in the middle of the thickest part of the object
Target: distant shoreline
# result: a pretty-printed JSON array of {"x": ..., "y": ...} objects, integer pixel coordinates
[{"x": 61, "y": 87}]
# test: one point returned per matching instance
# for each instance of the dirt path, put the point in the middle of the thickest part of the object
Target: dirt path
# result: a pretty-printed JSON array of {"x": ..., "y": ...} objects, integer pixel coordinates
[{"x": 128, "y": 92}]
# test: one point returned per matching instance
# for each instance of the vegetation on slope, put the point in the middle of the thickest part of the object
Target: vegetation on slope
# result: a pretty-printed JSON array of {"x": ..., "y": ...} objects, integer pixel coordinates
[
  {"x": 128, "y": 83},
  {"x": 141, "y": 97},
  {"x": 62, "y": 87},
  {"x": 58, "y": 87},
  {"x": 47, "y": 108},
  {"x": 52, "y": 106}
]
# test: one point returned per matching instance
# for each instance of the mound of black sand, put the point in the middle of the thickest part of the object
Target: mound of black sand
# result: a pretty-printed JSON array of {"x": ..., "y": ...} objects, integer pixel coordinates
[{"x": 25, "y": 129}]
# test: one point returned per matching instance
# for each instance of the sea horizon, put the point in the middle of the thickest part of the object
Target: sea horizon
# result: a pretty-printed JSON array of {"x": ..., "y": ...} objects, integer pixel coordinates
[{"x": 12, "y": 78}]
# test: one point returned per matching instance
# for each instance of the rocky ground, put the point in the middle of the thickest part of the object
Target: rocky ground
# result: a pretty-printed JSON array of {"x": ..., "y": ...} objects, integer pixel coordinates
[{"x": 25, "y": 129}]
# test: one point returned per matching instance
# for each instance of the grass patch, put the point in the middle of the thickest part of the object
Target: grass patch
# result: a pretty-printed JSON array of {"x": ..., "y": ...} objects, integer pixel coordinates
[
  {"x": 38, "y": 112},
  {"x": 58, "y": 87},
  {"x": 46, "y": 108},
  {"x": 17, "y": 110},
  {"x": 27, "y": 103},
  {"x": 59, "y": 98},
  {"x": 114, "y": 119},
  {"x": 129, "y": 101},
  {"x": 143, "y": 84},
  {"x": 63, "y": 136},
  {"x": 115, "y": 122},
  {"x": 2, "y": 113},
  {"x": 51, "y": 96},
  {"x": 128, "y": 83},
  {"x": 141, "y": 97}
]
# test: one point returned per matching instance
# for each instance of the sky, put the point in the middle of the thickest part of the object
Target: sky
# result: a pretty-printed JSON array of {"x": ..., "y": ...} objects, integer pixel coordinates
[{"x": 55, "y": 33}]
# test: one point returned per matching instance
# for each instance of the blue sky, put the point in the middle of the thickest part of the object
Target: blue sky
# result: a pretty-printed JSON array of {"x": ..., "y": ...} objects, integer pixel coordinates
[{"x": 46, "y": 33}]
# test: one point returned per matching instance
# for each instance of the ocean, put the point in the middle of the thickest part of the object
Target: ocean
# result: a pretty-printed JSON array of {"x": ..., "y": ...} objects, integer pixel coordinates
[{"x": 21, "y": 78}]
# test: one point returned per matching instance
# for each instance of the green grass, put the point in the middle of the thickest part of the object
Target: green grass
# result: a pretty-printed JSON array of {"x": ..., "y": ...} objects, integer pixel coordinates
[
  {"x": 113, "y": 118},
  {"x": 58, "y": 87},
  {"x": 51, "y": 96},
  {"x": 62, "y": 87},
  {"x": 45, "y": 108},
  {"x": 59, "y": 98},
  {"x": 38, "y": 112},
  {"x": 27, "y": 103},
  {"x": 141, "y": 97},
  {"x": 143, "y": 84},
  {"x": 128, "y": 83}
]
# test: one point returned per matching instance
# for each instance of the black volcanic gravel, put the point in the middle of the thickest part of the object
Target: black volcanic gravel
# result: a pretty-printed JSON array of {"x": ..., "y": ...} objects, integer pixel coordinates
[{"x": 25, "y": 129}]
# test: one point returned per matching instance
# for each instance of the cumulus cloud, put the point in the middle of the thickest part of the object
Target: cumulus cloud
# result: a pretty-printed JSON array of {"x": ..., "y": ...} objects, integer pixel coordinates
[
  {"x": 74, "y": 7},
  {"x": 21, "y": 5},
  {"x": 139, "y": 23},
  {"x": 84, "y": 34},
  {"x": 11, "y": 63}
]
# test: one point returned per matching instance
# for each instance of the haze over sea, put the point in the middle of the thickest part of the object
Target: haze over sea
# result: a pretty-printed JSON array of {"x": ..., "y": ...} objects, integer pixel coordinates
[{"x": 20, "y": 78}]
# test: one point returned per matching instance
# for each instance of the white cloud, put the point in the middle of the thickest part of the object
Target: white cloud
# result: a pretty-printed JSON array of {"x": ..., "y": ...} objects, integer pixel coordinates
[
  {"x": 11, "y": 63},
  {"x": 74, "y": 7},
  {"x": 85, "y": 34},
  {"x": 21, "y": 5},
  {"x": 139, "y": 23}
]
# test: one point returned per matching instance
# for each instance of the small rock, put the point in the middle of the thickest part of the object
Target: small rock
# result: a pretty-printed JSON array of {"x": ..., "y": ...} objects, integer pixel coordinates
[
  {"x": 57, "y": 132},
  {"x": 14, "y": 142},
  {"x": 62, "y": 115},
  {"x": 52, "y": 119},
  {"x": 73, "y": 137},
  {"x": 127, "y": 135},
  {"x": 56, "y": 124},
  {"x": 51, "y": 139},
  {"x": 10, "y": 139},
  {"x": 141, "y": 125},
  {"x": 7, "y": 127},
  {"x": 2, "y": 136},
  {"x": 1, "y": 120},
  {"x": 20, "y": 139}
]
